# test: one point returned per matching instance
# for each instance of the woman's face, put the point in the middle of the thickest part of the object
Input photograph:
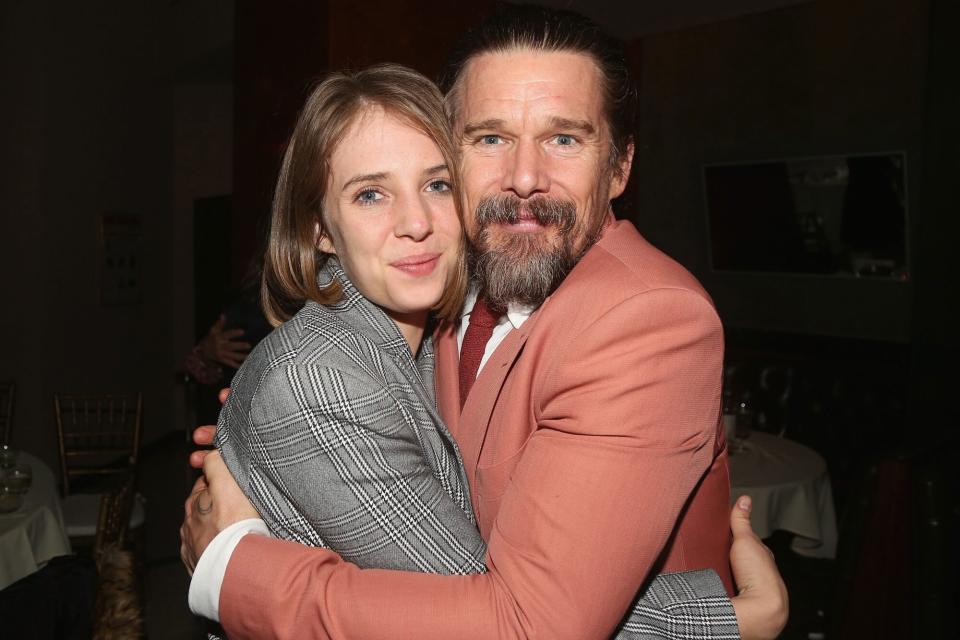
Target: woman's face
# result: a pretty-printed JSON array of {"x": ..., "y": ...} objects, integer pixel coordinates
[{"x": 390, "y": 215}]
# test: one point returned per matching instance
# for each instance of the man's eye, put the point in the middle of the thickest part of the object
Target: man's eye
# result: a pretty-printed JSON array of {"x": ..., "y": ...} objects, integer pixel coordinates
[
  {"x": 564, "y": 140},
  {"x": 490, "y": 139},
  {"x": 439, "y": 185},
  {"x": 368, "y": 195}
]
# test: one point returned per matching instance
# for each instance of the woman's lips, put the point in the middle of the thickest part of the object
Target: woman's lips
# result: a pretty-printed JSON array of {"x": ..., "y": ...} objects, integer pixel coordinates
[{"x": 418, "y": 265}]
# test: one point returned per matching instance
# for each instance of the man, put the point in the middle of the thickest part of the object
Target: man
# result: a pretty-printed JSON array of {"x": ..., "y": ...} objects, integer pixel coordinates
[{"x": 589, "y": 434}]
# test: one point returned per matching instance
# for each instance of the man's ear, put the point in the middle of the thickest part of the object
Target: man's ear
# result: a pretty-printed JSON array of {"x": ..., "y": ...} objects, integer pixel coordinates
[
  {"x": 323, "y": 241},
  {"x": 620, "y": 178}
]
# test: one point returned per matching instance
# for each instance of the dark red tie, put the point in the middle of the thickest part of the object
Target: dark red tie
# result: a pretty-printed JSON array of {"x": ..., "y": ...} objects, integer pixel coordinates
[{"x": 483, "y": 319}]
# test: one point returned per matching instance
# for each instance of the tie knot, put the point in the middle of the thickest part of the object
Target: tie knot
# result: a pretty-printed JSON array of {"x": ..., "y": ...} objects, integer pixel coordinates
[{"x": 485, "y": 314}]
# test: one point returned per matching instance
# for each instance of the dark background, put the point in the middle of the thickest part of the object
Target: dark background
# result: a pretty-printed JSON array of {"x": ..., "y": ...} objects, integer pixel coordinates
[{"x": 160, "y": 108}]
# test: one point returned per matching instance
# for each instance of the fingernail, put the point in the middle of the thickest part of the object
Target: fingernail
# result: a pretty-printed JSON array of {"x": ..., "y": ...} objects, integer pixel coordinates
[{"x": 744, "y": 503}]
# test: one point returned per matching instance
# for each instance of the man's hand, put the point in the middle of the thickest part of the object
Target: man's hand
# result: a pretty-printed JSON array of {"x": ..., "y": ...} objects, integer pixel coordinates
[
  {"x": 215, "y": 503},
  {"x": 762, "y": 603},
  {"x": 223, "y": 346}
]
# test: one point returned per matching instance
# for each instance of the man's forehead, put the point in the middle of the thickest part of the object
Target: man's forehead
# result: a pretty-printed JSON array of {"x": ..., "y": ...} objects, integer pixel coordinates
[{"x": 558, "y": 80}]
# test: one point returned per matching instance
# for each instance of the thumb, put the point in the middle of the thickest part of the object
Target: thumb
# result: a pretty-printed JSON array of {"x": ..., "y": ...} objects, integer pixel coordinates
[
  {"x": 213, "y": 467},
  {"x": 740, "y": 518},
  {"x": 752, "y": 562}
]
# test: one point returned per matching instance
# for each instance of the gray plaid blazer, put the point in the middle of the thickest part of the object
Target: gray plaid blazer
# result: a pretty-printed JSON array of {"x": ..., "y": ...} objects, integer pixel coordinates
[{"x": 332, "y": 431}]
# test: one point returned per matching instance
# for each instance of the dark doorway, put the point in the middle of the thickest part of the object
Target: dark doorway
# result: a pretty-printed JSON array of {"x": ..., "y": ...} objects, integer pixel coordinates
[{"x": 211, "y": 260}]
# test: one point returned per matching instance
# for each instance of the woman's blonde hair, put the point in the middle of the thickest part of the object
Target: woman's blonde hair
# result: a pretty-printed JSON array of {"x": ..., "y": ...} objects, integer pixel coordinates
[{"x": 292, "y": 258}]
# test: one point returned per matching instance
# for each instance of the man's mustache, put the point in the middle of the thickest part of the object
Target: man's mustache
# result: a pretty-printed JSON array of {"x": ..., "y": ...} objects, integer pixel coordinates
[{"x": 505, "y": 209}]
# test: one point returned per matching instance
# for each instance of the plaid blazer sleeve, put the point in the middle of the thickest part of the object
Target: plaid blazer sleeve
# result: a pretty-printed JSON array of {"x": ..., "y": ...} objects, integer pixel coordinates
[
  {"x": 329, "y": 459},
  {"x": 682, "y": 606}
]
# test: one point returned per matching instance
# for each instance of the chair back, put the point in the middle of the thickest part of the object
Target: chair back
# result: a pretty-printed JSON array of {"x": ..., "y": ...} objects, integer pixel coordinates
[
  {"x": 99, "y": 434},
  {"x": 7, "y": 390}
]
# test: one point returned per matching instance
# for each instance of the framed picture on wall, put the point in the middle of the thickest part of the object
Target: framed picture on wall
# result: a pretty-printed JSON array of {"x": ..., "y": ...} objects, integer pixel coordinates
[
  {"x": 120, "y": 239},
  {"x": 841, "y": 215}
]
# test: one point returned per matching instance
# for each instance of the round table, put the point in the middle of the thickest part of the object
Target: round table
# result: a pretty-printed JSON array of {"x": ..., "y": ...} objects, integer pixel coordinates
[
  {"x": 791, "y": 491},
  {"x": 34, "y": 533}
]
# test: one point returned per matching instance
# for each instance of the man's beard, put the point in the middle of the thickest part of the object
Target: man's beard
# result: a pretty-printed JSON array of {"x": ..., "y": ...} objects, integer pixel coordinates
[{"x": 522, "y": 267}]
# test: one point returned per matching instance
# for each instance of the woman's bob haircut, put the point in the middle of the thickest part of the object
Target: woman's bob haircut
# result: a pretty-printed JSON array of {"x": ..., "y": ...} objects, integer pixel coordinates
[{"x": 297, "y": 221}]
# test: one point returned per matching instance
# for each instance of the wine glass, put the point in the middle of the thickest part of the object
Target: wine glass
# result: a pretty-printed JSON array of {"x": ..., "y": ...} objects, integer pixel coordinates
[{"x": 20, "y": 478}]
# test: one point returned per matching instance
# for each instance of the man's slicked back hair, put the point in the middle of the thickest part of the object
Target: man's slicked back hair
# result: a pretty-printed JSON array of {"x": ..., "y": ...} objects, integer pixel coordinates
[{"x": 530, "y": 27}]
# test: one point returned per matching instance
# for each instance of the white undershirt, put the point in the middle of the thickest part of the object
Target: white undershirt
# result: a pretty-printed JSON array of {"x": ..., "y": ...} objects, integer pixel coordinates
[
  {"x": 204, "y": 595},
  {"x": 516, "y": 316}
]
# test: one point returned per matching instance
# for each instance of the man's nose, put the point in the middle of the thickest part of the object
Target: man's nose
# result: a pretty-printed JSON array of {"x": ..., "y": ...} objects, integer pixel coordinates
[
  {"x": 414, "y": 220},
  {"x": 526, "y": 173}
]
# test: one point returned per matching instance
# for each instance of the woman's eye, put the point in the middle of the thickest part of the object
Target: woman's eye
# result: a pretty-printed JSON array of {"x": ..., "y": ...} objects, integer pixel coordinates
[
  {"x": 368, "y": 195},
  {"x": 439, "y": 186}
]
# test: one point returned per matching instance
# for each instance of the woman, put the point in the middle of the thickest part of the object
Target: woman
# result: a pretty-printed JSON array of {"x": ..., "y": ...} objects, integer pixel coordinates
[{"x": 331, "y": 427}]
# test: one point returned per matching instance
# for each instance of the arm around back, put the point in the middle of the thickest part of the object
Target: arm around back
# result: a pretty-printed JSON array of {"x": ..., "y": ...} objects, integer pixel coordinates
[{"x": 626, "y": 421}]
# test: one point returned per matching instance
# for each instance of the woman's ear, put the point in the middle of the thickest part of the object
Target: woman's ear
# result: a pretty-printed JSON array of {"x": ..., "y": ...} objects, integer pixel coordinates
[{"x": 323, "y": 241}]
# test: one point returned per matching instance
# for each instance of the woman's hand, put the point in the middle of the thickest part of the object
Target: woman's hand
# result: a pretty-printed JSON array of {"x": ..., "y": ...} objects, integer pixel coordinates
[
  {"x": 203, "y": 436},
  {"x": 215, "y": 503}
]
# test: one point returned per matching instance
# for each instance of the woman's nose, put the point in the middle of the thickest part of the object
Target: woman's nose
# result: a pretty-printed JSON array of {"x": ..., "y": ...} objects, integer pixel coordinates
[{"x": 415, "y": 221}]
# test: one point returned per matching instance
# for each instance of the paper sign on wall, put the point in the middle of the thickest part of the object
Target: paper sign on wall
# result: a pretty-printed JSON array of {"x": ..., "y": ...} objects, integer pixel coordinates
[{"x": 121, "y": 238}]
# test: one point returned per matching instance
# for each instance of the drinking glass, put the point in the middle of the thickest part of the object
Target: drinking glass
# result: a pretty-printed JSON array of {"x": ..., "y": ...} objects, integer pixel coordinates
[
  {"x": 20, "y": 478},
  {"x": 8, "y": 456},
  {"x": 10, "y": 500}
]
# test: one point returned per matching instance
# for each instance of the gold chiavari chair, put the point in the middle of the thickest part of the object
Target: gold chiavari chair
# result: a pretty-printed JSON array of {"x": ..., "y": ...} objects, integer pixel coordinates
[{"x": 99, "y": 438}]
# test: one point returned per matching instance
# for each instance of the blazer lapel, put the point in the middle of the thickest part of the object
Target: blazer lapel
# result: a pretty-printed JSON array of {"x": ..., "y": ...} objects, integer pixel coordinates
[
  {"x": 475, "y": 419},
  {"x": 447, "y": 375}
]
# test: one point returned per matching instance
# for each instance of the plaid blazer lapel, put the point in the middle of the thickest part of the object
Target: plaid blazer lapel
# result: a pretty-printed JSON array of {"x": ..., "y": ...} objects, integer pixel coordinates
[
  {"x": 372, "y": 322},
  {"x": 366, "y": 318}
]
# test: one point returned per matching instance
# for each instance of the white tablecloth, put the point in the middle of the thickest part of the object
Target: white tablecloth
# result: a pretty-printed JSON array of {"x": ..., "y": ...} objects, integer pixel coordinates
[
  {"x": 791, "y": 491},
  {"x": 34, "y": 533}
]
